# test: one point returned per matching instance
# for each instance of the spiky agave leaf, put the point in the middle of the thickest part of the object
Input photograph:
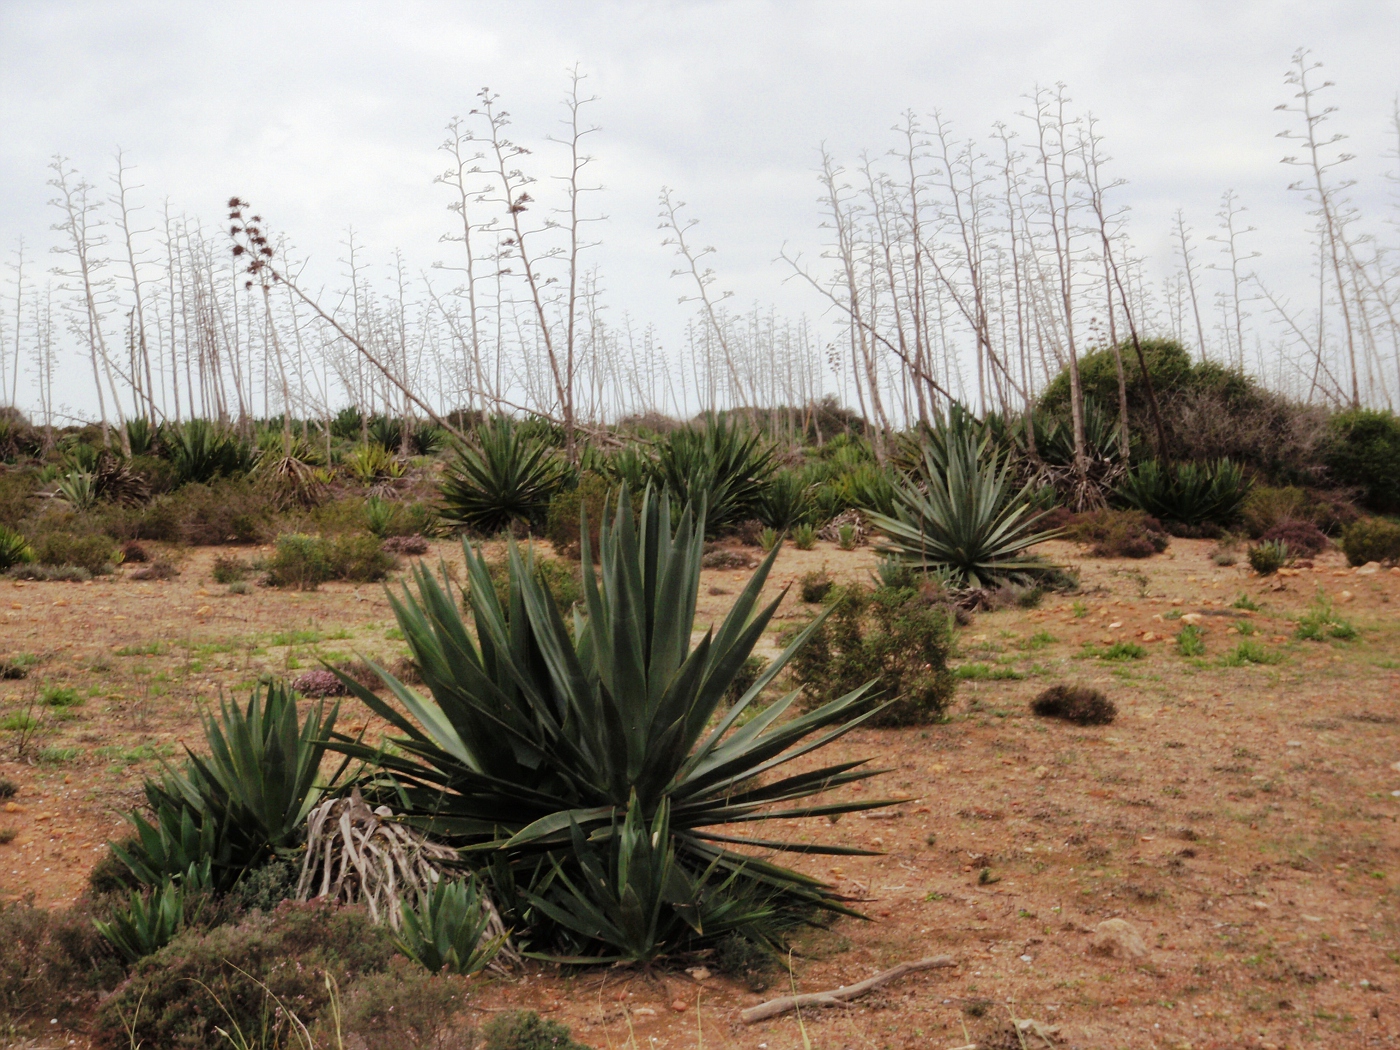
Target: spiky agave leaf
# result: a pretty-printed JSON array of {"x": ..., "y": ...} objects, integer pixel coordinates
[
  {"x": 533, "y": 735},
  {"x": 962, "y": 516}
]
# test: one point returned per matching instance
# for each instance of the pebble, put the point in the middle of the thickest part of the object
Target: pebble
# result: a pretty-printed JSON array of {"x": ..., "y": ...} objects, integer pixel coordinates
[
  {"x": 1299, "y": 743},
  {"x": 1118, "y": 937}
]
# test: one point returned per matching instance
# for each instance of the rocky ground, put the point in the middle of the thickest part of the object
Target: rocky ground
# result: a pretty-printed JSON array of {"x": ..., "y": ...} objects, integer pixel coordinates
[{"x": 1216, "y": 868}]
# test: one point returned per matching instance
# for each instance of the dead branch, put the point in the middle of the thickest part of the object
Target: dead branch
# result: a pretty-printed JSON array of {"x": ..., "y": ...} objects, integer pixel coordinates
[{"x": 844, "y": 994}]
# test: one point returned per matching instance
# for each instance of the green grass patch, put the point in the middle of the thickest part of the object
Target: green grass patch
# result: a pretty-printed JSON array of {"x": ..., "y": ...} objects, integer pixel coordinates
[
  {"x": 1244, "y": 602},
  {"x": 1037, "y": 641},
  {"x": 1116, "y": 651},
  {"x": 18, "y": 722},
  {"x": 149, "y": 649},
  {"x": 1191, "y": 641},
  {"x": 294, "y": 638},
  {"x": 1321, "y": 622},
  {"x": 56, "y": 756},
  {"x": 59, "y": 696},
  {"x": 1250, "y": 652},
  {"x": 980, "y": 672}
]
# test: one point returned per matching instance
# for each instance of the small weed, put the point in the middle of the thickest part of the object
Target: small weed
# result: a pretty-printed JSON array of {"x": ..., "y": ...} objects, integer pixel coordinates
[
  {"x": 149, "y": 649},
  {"x": 284, "y": 638},
  {"x": 1250, "y": 652},
  {"x": 1321, "y": 622},
  {"x": 55, "y": 756},
  {"x": 1080, "y": 610},
  {"x": 1116, "y": 651},
  {"x": 986, "y": 878},
  {"x": 987, "y": 673},
  {"x": 1038, "y": 641},
  {"x": 1244, "y": 602},
  {"x": 59, "y": 696},
  {"x": 8, "y": 788},
  {"x": 7, "y": 835},
  {"x": 1191, "y": 641}
]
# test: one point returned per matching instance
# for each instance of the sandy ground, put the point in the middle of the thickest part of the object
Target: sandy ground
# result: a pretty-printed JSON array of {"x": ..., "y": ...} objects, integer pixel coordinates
[{"x": 1241, "y": 818}]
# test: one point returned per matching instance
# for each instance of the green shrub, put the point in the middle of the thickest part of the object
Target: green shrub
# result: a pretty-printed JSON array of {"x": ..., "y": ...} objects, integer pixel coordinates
[
  {"x": 1250, "y": 652},
  {"x": 55, "y": 964},
  {"x": 526, "y": 1030},
  {"x": 93, "y": 552},
  {"x": 226, "y": 510},
  {"x": 148, "y": 923},
  {"x": 563, "y": 581},
  {"x": 402, "y": 1008},
  {"x": 804, "y": 537},
  {"x": 1075, "y": 703},
  {"x": 1302, "y": 538},
  {"x": 892, "y": 636},
  {"x": 1268, "y": 557},
  {"x": 1266, "y": 506},
  {"x": 59, "y": 696},
  {"x": 1121, "y": 651},
  {"x": 1118, "y": 533},
  {"x": 1363, "y": 451},
  {"x": 1372, "y": 539},
  {"x": 239, "y": 978},
  {"x": 229, "y": 570},
  {"x": 749, "y": 673},
  {"x": 304, "y": 562},
  {"x": 563, "y": 522},
  {"x": 815, "y": 586}
]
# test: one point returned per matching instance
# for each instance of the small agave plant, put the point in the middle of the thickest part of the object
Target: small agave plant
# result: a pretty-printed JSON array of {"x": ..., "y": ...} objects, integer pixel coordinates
[{"x": 592, "y": 767}]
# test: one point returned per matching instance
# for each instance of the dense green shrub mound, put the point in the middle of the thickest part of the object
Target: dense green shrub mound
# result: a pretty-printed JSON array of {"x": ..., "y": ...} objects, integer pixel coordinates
[
  {"x": 1363, "y": 451},
  {"x": 303, "y": 562},
  {"x": 236, "y": 975},
  {"x": 1374, "y": 539},
  {"x": 1117, "y": 533},
  {"x": 92, "y": 551},
  {"x": 563, "y": 526},
  {"x": 892, "y": 636}
]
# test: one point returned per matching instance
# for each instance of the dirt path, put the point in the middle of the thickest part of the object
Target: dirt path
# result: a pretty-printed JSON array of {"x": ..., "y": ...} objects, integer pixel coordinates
[{"x": 1240, "y": 817}]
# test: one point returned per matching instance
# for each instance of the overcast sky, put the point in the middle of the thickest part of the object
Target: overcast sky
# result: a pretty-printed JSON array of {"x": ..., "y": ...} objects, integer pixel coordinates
[{"x": 327, "y": 114}]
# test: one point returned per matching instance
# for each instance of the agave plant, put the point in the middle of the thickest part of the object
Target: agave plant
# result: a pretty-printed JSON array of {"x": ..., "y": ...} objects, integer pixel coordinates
[
  {"x": 721, "y": 467},
  {"x": 202, "y": 451},
  {"x": 386, "y": 432},
  {"x": 14, "y": 549},
  {"x": 785, "y": 501},
  {"x": 449, "y": 930},
  {"x": 1191, "y": 494},
  {"x": 78, "y": 489},
  {"x": 536, "y": 738},
  {"x": 245, "y": 801},
  {"x": 141, "y": 436},
  {"x": 507, "y": 477},
  {"x": 373, "y": 464},
  {"x": 291, "y": 466},
  {"x": 962, "y": 517},
  {"x": 152, "y": 920}
]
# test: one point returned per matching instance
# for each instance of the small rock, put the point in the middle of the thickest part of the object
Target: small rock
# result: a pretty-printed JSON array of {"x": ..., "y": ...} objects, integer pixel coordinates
[
  {"x": 1119, "y": 938},
  {"x": 1041, "y": 772},
  {"x": 1369, "y": 569},
  {"x": 700, "y": 973},
  {"x": 13, "y": 807},
  {"x": 644, "y": 1011},
  {"x": 1038, "y": 1029},
  {"x": 1259, "y": 905},
  {"x": 1345, "y": 596},
  {"x": 204, "y": 610},
  {"x": 1395, "y": 766},
  {"x": 680, "y": 1006},
  {"x": 1193, "y": 619}
]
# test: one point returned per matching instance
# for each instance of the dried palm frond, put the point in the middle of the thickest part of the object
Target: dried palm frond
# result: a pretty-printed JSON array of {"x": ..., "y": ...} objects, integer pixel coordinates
[{"x": 357, "y": 854}]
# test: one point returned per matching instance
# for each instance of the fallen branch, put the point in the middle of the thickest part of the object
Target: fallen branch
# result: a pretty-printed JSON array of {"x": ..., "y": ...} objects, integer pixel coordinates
[{"x": 837, "y": 996}]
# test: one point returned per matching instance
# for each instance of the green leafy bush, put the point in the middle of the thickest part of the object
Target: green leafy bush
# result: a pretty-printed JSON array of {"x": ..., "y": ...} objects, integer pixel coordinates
[
  {"x": 891, "y": 636},
  {"x": 815, "y": 586},
  {"x": 1371, "y": 539},
  {"x": 225, "y": 510},
  {"x": 229, "y": 570},
  {"x": 562, "y": 580},
  {"x": 506, "y": 477},
  {"x": 600, "y": 748},
  {"x": 1075, "y": 703},
  {"x": 304, "y": 562},
  {"x": 1363, "y": 451},
  {"x": 564, "y": 523},
  {"x": 1118, "y": 533},
  {"x": 963, "y": 517},
  {"x": 1193, "y": 498},
  {"x": 1250, "y": 652},
  {"x": 93, "y": 551},
  {"x": 242, "y": 977},
  {"x": 526, "y": 1030},
  {"x": 402, "y": 1008}
]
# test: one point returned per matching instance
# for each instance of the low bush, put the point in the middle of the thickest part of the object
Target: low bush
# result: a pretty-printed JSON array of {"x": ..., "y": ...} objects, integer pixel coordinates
[
  {"x": 55, "y": 963},
  {"x": 401, "y": 1008},
  {"x": 1372, "y": 539},
  {"x": 319, "y": 682},
  {"x": 1321, "y": 622},
  {"x": 1075, "y": 703},
  {"x": 304, "y": 562},
  {"x": 1118, "y": 533},
  {"x": 527, "y": 1030},
  {"x": 237, "y": 977},
  {"x": 134, "y": 553},
  {"x": 14, "y": 549},
  {"x": 1363, "y": 451},
  {"x": 563, "y": 581},
  {"x": 49, "y": 573},
  {"x": 228, "y": 510},
  {"x": 405, "y": 545},
  {"x": 229, "y": 570},
  {"x": 93, "y": 551},
  {"x": 1191, "y": 641},
  {"x": 804, "y": 537},
  {"x": 1302, "y": 538},
  {"x": 815, "y": 586},
  {"x": 893, "y": 636},
  {"x": 563, "y": 523},
  {"x": 160, "y": 569},
  {"x": 745, "y": 678}
]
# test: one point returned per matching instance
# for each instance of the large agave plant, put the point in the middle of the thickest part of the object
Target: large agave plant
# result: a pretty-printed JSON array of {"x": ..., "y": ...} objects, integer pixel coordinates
[
  {"x": 14, "y": 549},
  {"x": 507, "y": 477},
  {"x": 961, "y": 515},
  {"x": 785, "y": 502},
  {"x": 592, "y": 764},
  {"x": 1192, "y": 494},
  {"x": 721, "y": 467},
  {"x": 78, "y": 489}
]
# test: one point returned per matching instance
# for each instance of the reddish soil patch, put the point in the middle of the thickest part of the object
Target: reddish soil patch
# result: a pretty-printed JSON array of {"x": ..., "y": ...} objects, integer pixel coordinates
[{"x": 1239, "y": 814}]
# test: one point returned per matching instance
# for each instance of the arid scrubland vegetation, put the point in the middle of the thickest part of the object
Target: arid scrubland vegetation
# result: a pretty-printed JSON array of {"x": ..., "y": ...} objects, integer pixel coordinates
[{"x": 1054, "y": 646}]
